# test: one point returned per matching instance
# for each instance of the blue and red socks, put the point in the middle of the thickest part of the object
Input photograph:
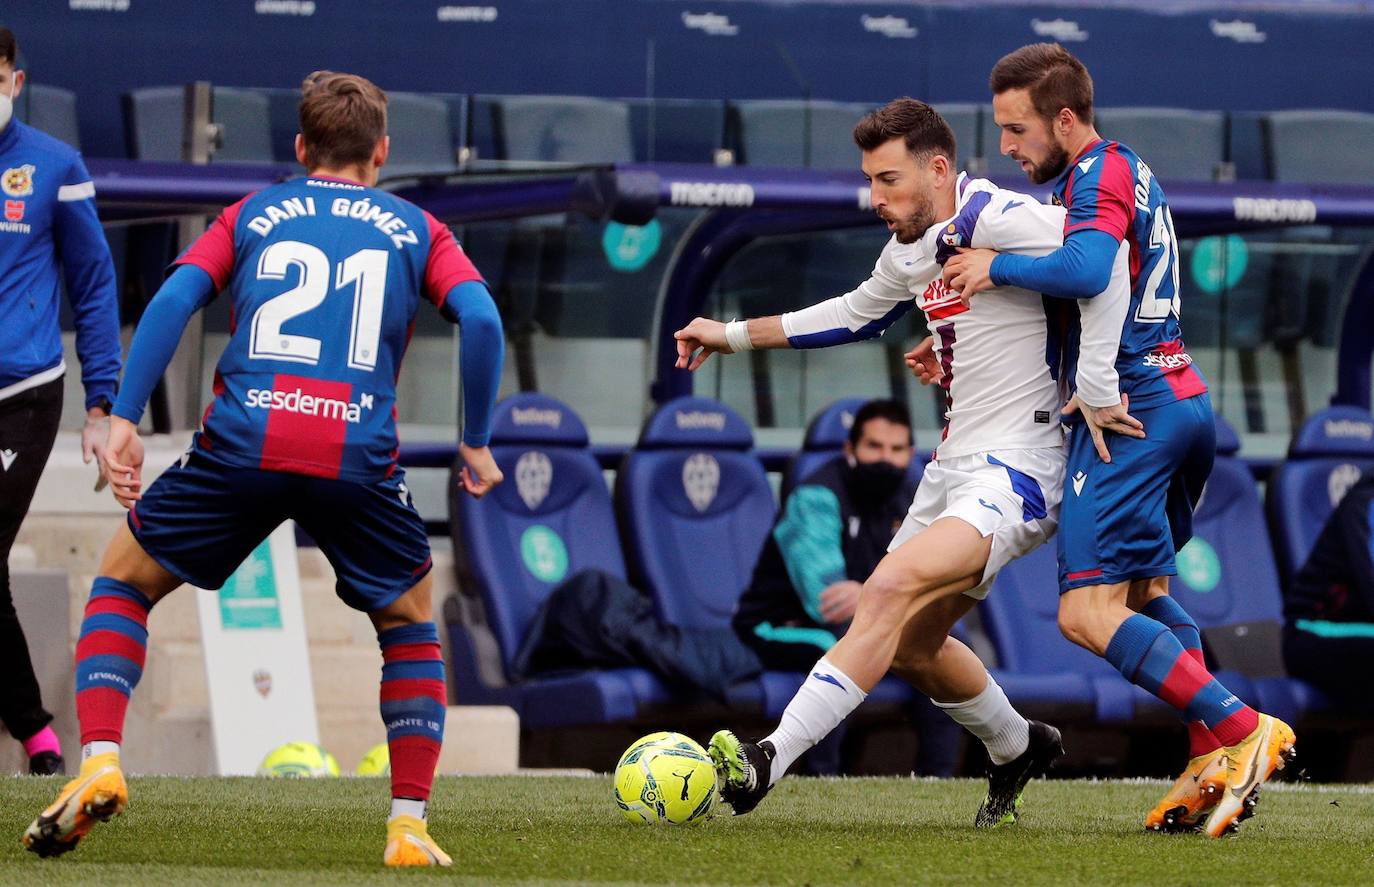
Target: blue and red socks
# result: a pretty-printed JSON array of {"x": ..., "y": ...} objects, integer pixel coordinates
[
  {"x": 1150, "y": 656},
  {"x": 414, "y": 700},
  {"x": 1169, "y": 613},
  {"x": 109, "y": 658}
]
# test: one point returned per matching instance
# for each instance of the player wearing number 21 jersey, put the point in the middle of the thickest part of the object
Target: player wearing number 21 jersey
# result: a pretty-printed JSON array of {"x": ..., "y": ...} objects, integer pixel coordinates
[
  {"x": 326, "y": 278},
  {"x": 325, "y": 275}
]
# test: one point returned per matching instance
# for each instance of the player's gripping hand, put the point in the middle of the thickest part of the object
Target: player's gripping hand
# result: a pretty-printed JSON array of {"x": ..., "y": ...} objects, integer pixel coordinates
[
  {"x": 698, "y": 340},
  {"x": 969, "y": 272},
  {"x": 924, "y": 365},
  {"x": 124, "y": 461},
  {"x": 94, "y": 434},
  {"x": 1103, "y": 419},
  {"x": 479, "y": 472}
]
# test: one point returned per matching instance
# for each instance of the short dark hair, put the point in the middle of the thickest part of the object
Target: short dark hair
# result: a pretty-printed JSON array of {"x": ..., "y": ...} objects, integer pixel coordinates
[
  {"x": 1054, "y": 78},
  {"x": 893, "y": 411},
  {"x": 9, "y": 46},
  {"x": 343, "y": 117},
  {"x": 921, "y": 126}
]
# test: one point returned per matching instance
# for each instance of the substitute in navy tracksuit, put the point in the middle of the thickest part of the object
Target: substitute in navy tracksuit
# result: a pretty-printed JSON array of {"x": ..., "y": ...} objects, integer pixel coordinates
[{"x": 48, "y": 232}]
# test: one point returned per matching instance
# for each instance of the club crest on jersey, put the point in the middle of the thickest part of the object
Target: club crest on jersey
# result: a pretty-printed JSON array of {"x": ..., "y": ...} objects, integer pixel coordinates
[
  {"x": 18, "y": 182},
  {"x": 951, "y": 236},
  {"x": 262, "y": 682}
]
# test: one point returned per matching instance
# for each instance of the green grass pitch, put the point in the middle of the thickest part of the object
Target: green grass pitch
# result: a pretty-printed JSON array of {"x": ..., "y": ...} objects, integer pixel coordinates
[{"x": 565, "y": 830}]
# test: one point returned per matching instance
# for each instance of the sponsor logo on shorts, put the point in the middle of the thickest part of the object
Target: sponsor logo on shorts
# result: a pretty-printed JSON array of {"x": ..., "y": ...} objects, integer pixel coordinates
[
  {"x": 1079, "y": 480},
  {"x": 298, "y": 401}
]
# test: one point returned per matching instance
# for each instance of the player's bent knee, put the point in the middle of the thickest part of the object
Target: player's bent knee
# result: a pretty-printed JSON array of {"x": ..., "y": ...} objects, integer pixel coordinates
[{"x": 126, "y": 561}]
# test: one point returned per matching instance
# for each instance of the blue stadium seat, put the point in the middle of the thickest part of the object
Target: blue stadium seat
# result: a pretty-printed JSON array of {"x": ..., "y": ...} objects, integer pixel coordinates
[
  {"x": 964, "y": 119},
  {"x": 825, "y": 439},
  {"x": 1227, "y": 580},
  {"x": 1037, "y": 665},
  {"x": 694, "y": 508},
  {"x": 550, "y": 519},
  {"x": 1320, "y": 147},
  {"x": 677, "y": 130},
  {"x": 1178, "y": 144},
  {"x": 692, "y": 486},
  {"x": 154, "y": 122},
  {"x": 997, "y": 165},
  {"x": 1330, "y": 452},
  {"x": 51, "y": 109},
  {"x": 421, "y": 135},
  {"x": 554, "y": 128},
  {"x": 774, "y": 132}
]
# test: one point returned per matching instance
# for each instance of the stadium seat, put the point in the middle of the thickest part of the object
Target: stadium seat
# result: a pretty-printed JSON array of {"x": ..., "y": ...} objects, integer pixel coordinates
[
  {"x": 549, "y": 520},
  {"x": 420, "y": 132},
  {"x": 794, "y": 132},
  {"x": 963, "y": 119},
  {"x": 51, "y": 109},
  {"x": 1037, "y": 666},
  {"x": 1227, "y": 580},
  {"x": 1320, "y": 147},
  {"x": 692, "y": 486},
  {"x": 1177, "y": 144},
  {"x": 677, "y": 130},
  {"x": 1329, "y": 453},
  {"x": 552, "y": 128},
  {"x": 999, "y": 166},
  {"x": 825, "y": 439},
  {"x": 154, "y": 123}
]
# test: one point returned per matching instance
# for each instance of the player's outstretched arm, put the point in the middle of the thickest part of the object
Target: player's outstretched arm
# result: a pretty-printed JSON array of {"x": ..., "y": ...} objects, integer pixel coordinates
[{"x": 703, "y": 337}]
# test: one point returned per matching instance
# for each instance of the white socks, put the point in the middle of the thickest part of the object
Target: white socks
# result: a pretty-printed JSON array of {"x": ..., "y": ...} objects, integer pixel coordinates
[
  {"x": 825, "y": 698},
  {"x": 407, "y": 807},
  {"x": 99, "y": 747},
  {"x": 990, "y": 717}
]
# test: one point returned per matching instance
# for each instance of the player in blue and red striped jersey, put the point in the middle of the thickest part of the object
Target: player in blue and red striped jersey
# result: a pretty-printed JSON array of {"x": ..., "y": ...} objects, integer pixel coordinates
[
  {"x": 325, "y": 274},
  {"x": 1126, "y": 509}
]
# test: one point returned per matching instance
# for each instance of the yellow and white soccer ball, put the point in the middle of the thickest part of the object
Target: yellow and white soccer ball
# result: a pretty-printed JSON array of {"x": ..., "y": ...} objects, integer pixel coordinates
[
  {"x": 665, "y": 779},
  {"x": 377, "y": 761},
  {"x": 298, "y": 760}
]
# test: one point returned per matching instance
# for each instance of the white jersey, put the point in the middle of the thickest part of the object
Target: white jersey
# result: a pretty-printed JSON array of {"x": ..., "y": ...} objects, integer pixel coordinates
[{"x": 998, "y": 356}]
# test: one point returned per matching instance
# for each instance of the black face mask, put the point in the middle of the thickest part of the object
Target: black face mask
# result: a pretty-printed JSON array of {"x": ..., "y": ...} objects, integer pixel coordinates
[{"x": 873, "y": 483}]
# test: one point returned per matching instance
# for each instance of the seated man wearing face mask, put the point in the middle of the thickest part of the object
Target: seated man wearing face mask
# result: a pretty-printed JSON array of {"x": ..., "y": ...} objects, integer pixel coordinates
[{"x": 834, "y": 528}]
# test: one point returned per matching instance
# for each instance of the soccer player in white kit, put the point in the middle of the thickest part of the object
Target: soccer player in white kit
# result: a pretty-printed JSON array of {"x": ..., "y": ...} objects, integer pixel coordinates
[{"x": 990, "y": 495}]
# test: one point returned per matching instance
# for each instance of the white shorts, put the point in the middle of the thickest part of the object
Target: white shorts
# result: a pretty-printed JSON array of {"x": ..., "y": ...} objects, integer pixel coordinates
[{"x": 1011, "y": 495}]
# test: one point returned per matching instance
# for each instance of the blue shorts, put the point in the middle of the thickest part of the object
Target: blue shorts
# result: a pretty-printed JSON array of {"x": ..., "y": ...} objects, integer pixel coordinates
[
  {"x": 1127, "y": 519},
  {"x": 202, "y": 517}
]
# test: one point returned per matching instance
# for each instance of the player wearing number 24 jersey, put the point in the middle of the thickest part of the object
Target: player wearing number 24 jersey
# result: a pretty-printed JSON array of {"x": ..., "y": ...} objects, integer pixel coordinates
[
  {"x": 1128, "y": 499},
  {"x": 325, "y": 274}
]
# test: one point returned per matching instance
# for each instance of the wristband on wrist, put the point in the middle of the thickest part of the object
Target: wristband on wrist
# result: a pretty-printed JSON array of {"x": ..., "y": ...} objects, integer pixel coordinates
[{"x": 737, "y": 336}]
